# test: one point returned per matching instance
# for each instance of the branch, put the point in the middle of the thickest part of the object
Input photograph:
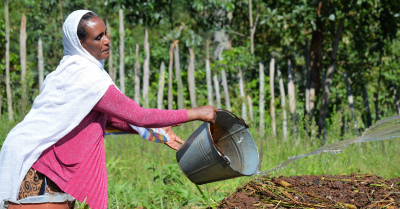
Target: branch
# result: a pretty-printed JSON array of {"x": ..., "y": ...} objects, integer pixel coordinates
[
  {"x": 236, "y": 33},
  {"x": 253, "y": 30}
]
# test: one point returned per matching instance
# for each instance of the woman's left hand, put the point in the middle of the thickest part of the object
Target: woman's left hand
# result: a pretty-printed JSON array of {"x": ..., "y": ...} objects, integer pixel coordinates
[{"x": 175, "y": 142}]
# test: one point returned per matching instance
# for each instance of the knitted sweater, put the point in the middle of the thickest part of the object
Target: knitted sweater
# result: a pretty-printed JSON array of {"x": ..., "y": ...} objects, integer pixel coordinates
[{"x": 77, "y": 163}]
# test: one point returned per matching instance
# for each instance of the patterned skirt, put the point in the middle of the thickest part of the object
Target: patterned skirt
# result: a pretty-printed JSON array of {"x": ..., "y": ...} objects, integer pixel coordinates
[{"x": 32, "y": 184}]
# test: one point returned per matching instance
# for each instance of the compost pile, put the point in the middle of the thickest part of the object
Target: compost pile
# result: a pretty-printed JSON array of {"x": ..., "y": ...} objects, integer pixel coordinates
[{"x": 324, "y": 191}]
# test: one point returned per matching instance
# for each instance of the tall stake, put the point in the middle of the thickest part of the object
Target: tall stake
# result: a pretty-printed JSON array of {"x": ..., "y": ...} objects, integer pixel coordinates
[
  {"x": 41, "y": 64},
  {"x": 161, "y": 84},
  {"x": 8, "y": 87},
  {"x": 271, "y": 88},
  {"x": 261, "y": 97},
  {"x": 283, "y": 103},
  {"x": 191, "y": 80},
  {"x": 292, "y": 100},
  {"x": 178, "y": 76},
  {"x": 22, "y": 50},
  {"x": 308, "y": 82},
  {"x": 121, "y": 51},
  {"x": 146, "y": 70},
  {"x": 251, "y": 113},
  {"x": 170, "y": 71},
  {"x": 226, "y": 91},
  {"x": 110, "y": 59},
  {"x": 251, "y": 27},
  {"x": 351, "y": 103},
  {"x": 241, "y": 89},
  {"x": 137, "y": 76},
  {"x": 217, "y": 94},
  {"x": 208, "y": 75}
]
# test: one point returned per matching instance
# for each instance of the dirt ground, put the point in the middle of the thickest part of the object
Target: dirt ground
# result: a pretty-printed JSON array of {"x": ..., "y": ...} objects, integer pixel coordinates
[{"x": 340, "y": 191}]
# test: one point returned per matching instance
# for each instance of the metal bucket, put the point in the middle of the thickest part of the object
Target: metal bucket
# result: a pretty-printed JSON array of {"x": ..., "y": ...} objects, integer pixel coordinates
[
  {"x": 49, "y": 201},
  {"x": 217, "y": 152}
]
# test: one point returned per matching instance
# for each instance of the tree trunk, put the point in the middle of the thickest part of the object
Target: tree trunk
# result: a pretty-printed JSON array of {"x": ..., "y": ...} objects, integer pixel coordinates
[
  {"x": 308, "y": 82},
  {"x": 283, "y": 103},
  {"x": 146, "y": 70},
  {"x": 161, "y": 83},
  {"x": 250, "y": 103},
  {"x": 178, "y": 76},
  {"x": 170, "y": 71},
  {"x": 251, "y": 27},
  {"x": 271, "y": 87},
  {"x": 226, "y": 91},
  {"x": 261, "y": 98},
  {"x": 110, "y": 59},
  {"x": 137, "y": 76},
  {"x": 351, "y": 103},
  {"x": 41, "y": 64},
  {"x": 8, "y": 87},
  {"x": 191, "y": 80},
  {"x": 208, "y": 76},
  {"x": 116, "y": 63},
  {"x": 217, "y": 94},
  {"x": 367, "y": 110},
  {"x": 22, "y": 49},
  {"x": 316, "y": 56},
  {"x": 393, "y": 88},
  {"x": 291, "y": 90},
  {"x": 328, "y": 81},
  {"x": 121, "y": 52},
  {"x": 241, "y": 89}
]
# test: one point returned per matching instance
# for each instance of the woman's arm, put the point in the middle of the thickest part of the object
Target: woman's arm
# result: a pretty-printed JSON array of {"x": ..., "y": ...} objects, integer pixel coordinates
[{"x": 119, "y": 106}]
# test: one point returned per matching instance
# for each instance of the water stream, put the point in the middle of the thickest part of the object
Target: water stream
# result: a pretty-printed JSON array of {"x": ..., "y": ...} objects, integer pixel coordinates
[{"x": 383, "y": 129}]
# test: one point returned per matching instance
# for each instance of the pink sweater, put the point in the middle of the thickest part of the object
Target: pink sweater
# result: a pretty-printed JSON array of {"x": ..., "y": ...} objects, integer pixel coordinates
[{"x": 77, "y": 163}]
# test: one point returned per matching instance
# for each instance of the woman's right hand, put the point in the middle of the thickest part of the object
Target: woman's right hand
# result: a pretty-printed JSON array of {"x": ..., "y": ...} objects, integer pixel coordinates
[{"x": 204, "y": 113}]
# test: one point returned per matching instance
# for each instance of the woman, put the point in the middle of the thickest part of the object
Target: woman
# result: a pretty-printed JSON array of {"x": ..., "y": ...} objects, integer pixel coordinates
[{"x": 62, "y": 137}]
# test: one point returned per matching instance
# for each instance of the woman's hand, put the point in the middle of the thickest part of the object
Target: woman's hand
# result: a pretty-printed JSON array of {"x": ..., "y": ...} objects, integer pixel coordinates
[
  {"x": 205, "y": 113},
  {"x": 175, "y": 142}
]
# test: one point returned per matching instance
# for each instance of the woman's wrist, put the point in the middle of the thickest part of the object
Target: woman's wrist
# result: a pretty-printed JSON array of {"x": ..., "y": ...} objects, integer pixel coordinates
[{"x": 192, "y": 114}]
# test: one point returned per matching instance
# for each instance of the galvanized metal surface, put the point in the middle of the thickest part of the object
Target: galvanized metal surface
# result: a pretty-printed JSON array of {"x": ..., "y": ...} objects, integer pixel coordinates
[
  {"x": 56, "y": 197},
  {"x": 217, "y": 152}
]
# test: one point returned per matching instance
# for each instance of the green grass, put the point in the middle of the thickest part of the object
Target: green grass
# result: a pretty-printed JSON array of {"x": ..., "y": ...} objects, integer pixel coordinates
[
  {"x": 146, "y": 174},
  {"x": 142, "y": 173}
]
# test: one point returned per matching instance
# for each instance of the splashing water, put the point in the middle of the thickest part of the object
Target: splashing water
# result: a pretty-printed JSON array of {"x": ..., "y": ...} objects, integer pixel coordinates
[{"x": 383, "y": 129}]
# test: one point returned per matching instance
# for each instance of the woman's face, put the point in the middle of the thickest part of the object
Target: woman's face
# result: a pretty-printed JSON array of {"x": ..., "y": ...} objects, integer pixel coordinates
[{"x": 97, "y": 42}]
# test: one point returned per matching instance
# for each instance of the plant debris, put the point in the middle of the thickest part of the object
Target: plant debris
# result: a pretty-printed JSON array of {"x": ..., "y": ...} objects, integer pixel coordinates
[{"x": 324, "y": 191}]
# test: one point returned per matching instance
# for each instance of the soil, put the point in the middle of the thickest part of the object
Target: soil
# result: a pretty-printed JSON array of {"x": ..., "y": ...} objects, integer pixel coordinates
[{"x": 324, "y": 191}]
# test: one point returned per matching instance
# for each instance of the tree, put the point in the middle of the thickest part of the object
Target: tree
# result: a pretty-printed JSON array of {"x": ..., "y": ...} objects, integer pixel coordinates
[
  {"x": 110, "y": 59},
  {"x": 8, "y": 87},
  {"x": 146, "y": 69},
  {"x": 191, "y": 81},
  {"x": 137, "y": 76},
  {"x": 283, "y": 103},
  {"x": 22, "y": 41},
  {"x": 161, "y": 83},
  {"x": 271, "y": 87},
  {"x": 121, "y": 51},
  {"x": 261, "y": 100},
  {"x": 328, "y": 80}
]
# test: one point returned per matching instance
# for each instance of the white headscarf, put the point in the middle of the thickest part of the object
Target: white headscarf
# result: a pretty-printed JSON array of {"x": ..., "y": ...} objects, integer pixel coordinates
[{"x": 68, "y": 94}]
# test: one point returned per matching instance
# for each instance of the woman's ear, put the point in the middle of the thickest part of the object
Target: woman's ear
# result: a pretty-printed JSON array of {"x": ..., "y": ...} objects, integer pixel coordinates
[{"x": 80, "y": 41}]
